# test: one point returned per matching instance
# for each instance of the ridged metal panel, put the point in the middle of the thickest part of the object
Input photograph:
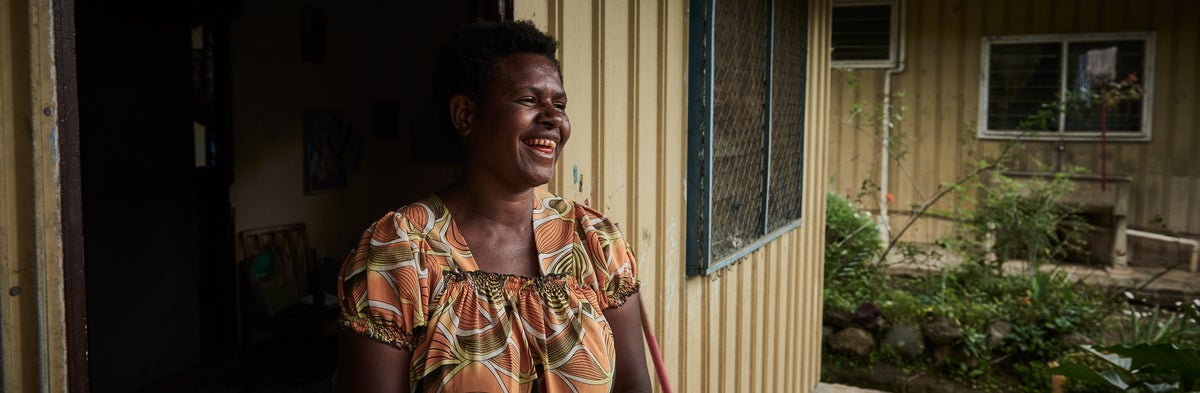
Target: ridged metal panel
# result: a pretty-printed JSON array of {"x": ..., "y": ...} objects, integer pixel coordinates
[{"x": 754, "y": 326}]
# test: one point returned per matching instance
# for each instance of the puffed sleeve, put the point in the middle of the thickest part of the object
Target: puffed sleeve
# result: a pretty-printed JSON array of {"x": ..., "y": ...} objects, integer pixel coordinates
[
  {"x": 613, "y": 263},
  {"x": 383, "y": 288}
]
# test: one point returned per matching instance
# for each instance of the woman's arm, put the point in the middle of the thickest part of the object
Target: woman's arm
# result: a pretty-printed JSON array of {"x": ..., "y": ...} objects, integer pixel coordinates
[
  {"x": 366, "y": 365},
  {"x": 626, "y": 322}
]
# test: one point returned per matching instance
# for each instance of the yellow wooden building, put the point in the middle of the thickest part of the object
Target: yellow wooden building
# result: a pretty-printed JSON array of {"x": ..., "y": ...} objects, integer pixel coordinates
[
  {"x": 91, "y": 127},
  {"x": 960, "y": 68}
]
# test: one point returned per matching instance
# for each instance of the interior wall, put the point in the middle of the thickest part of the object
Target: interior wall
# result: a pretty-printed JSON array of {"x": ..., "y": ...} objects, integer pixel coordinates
[{"x": 374, "y": 51}]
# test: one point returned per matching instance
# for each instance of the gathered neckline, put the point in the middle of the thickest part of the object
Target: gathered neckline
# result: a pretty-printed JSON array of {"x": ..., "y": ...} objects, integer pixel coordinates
[
  {"x": 466, "y": 263},
  {"x": 462, "y": 275}
]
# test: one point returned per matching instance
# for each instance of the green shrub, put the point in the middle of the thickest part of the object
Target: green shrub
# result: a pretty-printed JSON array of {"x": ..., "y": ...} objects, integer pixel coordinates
[
  {"x": 1042, "y": 309},
  {"x": 851, "y": 238},
  {"x": 851, "y": 244},
  {"x": 1023, "y": 219},
  {"x": 1156, "y": 324}
]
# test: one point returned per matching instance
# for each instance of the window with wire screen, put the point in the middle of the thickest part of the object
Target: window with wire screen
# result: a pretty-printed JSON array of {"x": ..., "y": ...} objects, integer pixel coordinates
[
  {"x": 1067, "y": 87},
  {"x": 745, "y": 126},
  {"x": 864, "y": 33}
]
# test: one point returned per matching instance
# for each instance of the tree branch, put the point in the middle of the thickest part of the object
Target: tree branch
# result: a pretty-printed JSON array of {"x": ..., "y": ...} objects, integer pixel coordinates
[{"x": 995, "y": 163}]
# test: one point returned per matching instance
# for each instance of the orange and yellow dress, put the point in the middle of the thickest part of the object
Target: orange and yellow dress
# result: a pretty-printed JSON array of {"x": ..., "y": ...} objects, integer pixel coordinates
[{"x": 411, "y": 282}]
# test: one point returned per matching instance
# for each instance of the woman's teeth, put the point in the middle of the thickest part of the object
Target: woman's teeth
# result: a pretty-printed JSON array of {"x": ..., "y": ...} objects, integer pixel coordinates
[{"x": 541, "y": 142}]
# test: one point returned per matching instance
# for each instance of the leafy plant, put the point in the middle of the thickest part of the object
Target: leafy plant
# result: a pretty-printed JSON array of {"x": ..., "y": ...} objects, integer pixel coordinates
[
  {"x": 1158, "y": 325},
  {"x": 850, "y": 236},
  {"x": 1137, "y": 368},
  {"x": 851, "y": 243},
  {"x": 1020, "y": 219}
]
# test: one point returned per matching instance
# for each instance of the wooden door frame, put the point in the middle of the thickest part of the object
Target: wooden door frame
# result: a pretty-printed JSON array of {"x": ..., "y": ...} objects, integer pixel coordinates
[{"x": 71, "y": 204}]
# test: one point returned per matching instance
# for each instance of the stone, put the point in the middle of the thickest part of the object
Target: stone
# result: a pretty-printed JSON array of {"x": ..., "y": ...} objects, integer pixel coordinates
[
  {"x": 905, "y": 339},
  {"x": 867, "y": 314},
  {"x": 852, "y": 341},
  {"x": 837, "y": 318},
  {"x": 997, "y": 332},
  {"x": 942, "y": 331}
]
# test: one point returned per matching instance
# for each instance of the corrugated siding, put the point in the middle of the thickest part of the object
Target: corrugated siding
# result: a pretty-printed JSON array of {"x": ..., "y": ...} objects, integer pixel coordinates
[
  {"x": 941, "y": 87},
  {"x": 754, "y": 327},
  {"x": 33, "y": 347},
  {"x": 18, "y": 332}
]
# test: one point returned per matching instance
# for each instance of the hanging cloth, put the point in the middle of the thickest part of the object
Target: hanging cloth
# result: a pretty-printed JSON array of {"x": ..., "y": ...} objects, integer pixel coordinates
[{"x": 1101, "y": 69}]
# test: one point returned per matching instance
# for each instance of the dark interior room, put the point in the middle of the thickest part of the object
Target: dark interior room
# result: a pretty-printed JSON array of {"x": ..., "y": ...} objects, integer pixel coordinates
[{"x": 233, "y": 151}]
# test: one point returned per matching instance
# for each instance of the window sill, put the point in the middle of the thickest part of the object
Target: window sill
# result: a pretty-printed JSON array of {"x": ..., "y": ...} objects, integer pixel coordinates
[
  {"x": 1112, "y": 136},
  {"x": 752, "y": 247},
  {"x": 854, "y": 64}
]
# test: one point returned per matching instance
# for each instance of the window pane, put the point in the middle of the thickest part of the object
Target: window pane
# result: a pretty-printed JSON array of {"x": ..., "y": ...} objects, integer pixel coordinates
[
  {"x": 1022, "y": 77},
  {"x": 740, "y": 62},
  {"x": 1130, "y": 60},
  {"x": 787, "y": 112},
  {"x": 861, "y": 32}
]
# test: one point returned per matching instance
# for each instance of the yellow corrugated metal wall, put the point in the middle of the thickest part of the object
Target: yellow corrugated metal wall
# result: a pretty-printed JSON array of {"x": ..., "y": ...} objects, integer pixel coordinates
[
  {"x": 941, "y": 86},
  {"x": 33, "y": 347},
  {"x": 755, "y": 327},
  {"x": 19, "y": 352}
]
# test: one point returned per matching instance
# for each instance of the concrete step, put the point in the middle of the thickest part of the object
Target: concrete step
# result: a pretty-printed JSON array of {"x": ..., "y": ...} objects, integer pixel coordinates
[{"x": 835, "y": 388}]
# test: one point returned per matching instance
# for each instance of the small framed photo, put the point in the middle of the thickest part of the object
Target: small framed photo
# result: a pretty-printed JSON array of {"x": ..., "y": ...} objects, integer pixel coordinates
[{"x": 324, "y": 146}]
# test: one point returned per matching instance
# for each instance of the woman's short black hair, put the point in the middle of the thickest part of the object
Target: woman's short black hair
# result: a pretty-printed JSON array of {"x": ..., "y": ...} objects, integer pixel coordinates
[{"x": 468, "y": 57}]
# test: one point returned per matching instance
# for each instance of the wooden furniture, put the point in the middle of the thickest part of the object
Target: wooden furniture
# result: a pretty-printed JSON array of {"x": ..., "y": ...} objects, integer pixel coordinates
[{"x": 261, "y": 315}]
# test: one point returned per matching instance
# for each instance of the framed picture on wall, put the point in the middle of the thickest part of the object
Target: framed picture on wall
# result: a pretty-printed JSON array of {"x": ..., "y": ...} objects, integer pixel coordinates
[{"x": 324, "y": 144}]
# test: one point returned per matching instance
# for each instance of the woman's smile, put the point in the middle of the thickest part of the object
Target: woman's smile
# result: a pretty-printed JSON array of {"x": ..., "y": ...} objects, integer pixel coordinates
[{"x": 543, "y": 146}]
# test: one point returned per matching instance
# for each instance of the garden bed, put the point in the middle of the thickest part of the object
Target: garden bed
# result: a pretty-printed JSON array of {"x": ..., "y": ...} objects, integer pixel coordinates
[{"x": 977, "y": 325}]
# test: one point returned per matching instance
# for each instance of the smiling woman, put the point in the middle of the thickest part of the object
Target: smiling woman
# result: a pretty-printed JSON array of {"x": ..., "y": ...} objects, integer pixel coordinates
[
  {"x": 493, "y": 284},
  {"x": 516, "y": 127}
]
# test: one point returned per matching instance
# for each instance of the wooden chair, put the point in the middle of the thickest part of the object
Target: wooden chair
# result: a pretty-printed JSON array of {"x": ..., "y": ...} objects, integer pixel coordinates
[{"x": 291, "y": 258}]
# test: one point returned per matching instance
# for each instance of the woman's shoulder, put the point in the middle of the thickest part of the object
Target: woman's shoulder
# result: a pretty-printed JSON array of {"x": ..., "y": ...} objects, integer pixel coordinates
[
  {"x": 549, "y": 203},
  {"x": 587, "y": 219},
  {"x": 415, "y": 217}
]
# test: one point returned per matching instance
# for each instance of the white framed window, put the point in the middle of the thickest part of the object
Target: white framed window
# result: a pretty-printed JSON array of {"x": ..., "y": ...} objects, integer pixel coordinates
[
  {"x": 864, "y": 33},
  {"x": 1021, "y": 74}
]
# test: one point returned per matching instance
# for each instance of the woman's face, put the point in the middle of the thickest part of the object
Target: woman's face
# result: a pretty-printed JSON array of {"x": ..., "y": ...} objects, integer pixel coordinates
[{"x": 519, "y": 124}]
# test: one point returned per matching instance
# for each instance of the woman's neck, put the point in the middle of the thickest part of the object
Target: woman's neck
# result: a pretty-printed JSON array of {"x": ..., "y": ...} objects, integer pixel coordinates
[{"x": 481, "y": 201}]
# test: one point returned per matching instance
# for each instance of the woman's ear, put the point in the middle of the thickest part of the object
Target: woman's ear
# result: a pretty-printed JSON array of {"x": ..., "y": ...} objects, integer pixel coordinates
[{"x": 462, "y": 114}]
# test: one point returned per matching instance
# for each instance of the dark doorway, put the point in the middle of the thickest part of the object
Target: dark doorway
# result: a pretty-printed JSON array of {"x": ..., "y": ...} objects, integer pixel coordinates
[
  {"x": 188, "y": 114},
  {"x": 157, "y": 223}
]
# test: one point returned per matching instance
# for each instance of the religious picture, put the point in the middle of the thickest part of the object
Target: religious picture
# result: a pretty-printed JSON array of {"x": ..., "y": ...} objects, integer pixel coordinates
[{"x": 324, "y": 142}]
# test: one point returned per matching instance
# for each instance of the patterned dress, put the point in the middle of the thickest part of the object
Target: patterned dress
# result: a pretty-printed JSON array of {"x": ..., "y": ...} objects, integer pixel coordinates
[{"x": 411, "y": 282}]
